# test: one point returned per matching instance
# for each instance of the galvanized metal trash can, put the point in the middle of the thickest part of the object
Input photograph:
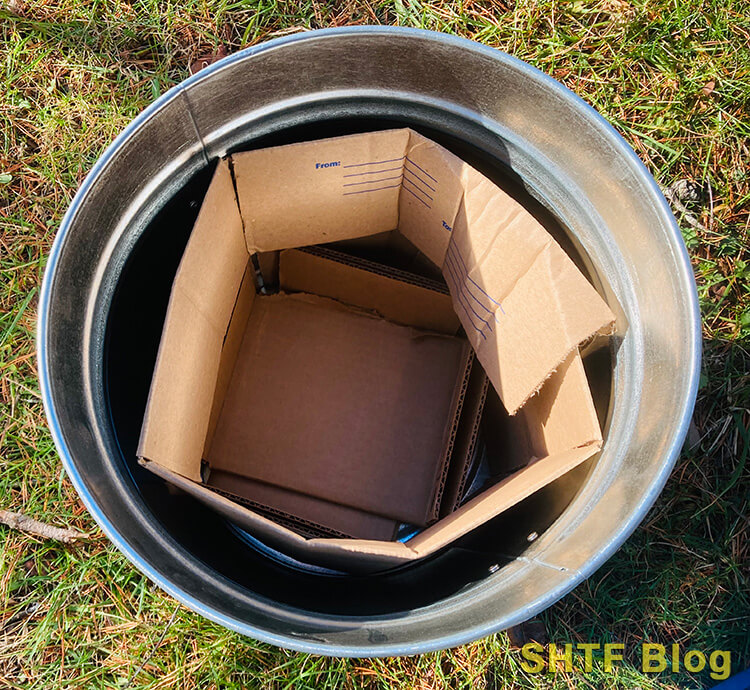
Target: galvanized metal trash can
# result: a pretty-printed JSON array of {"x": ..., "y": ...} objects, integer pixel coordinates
[{"x": 133, "y": 215}]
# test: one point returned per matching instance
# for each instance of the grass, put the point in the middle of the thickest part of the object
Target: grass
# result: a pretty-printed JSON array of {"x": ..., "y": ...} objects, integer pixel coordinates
[{"x": 673, "y": 76}]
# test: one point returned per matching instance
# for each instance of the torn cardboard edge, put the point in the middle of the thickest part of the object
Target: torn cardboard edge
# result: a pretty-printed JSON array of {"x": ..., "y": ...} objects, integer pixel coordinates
[{"x": 524, "y": 305}]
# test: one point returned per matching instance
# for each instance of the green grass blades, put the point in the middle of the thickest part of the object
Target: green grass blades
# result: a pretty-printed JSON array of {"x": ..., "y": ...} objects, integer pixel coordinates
[{"x": 672, "y": 76}]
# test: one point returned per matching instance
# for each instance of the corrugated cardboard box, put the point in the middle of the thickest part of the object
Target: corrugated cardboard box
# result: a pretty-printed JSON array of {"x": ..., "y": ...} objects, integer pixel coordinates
[{"x": 523, "y": 305}]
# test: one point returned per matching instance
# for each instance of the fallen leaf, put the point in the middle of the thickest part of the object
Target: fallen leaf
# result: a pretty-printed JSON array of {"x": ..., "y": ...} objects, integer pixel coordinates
[{"x": 205, "y": 60}]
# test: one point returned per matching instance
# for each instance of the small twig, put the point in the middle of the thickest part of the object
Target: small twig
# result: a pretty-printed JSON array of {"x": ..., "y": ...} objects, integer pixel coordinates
[
  {"x": 40, "y": 529},
  {"x": 156, "y": 646}
]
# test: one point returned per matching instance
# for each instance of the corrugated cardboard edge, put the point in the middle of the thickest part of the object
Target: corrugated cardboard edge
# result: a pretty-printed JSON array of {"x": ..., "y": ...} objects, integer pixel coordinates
[
  {"x": 303, "y": 527},
  {"x": 568, "y": 440},
  {"x": 459, "y": 396},
  {"x": 466, "y": 440},
  {"x": 373, "y": 267},
  {"x": 334, "y": 553}
]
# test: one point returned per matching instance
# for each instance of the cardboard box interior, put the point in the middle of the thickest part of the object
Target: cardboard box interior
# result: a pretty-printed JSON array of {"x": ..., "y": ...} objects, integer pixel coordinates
[
  {"x": 372, "y": 401},
  {"x": 522, "y": 303},
  {"x": 347, "y": 422}
]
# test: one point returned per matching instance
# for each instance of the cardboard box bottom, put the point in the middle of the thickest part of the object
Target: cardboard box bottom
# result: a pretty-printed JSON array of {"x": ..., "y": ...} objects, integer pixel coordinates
[{"x": 339, "y": 405}]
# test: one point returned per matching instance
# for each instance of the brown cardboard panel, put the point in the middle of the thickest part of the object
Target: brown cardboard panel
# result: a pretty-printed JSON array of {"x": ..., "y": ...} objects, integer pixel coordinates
[
  {"x": 395, "y": 295},
  {"x": 562, "y": 414},
  {"x": 200, "y": 307},
  {"x": 320, "y": 191},
  {"x": 524, "y": 304},
  {"x": 466, "y": 439},
  {"x": 291, "y": 505},
  {"x": 232, "y": 341},
  {"x": 351, "y": 554},
  {"x": 384, "y": 396}
]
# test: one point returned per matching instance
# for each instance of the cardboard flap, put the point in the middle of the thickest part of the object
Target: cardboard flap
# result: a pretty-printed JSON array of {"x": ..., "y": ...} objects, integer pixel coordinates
[
  {"x": 232, "y": 341},
  {"x": 562, "y": 416},
  {"x": 314, "y": 516},
  {"x": 569, "y": 435},
  {"x": 200, "y": 307},
  {"x": 355, "y": 555},
  {"x": 320, "y": 191},
  {"x": 499, "y": 498},
  {"x": 524, "y": 304},
  {"x": 431, "y": 194},
  {"x": 395, "y": 295}
]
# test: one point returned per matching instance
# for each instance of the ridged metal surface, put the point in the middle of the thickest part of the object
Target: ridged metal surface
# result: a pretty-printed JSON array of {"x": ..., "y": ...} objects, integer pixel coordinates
[{"x": 565, "y": 155}]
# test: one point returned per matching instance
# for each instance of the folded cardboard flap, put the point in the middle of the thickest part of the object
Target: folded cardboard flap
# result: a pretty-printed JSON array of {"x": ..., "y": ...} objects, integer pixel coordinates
[
  {"x": 309, "y": 515},
  {"x": 351, "y": 554},
  {"x": 523, "y": 303},
  {"x": 204, "y": 293},
  {"x": 524, "y": 306},
  {"x": 232, "y": 341}
]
